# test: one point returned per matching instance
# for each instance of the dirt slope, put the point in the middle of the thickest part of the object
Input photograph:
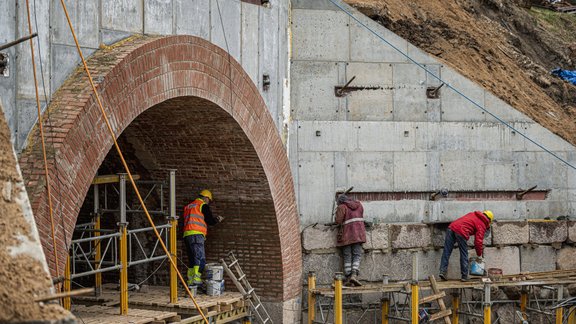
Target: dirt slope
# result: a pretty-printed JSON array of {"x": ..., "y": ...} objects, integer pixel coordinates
[{"x": 502, "y": 46}]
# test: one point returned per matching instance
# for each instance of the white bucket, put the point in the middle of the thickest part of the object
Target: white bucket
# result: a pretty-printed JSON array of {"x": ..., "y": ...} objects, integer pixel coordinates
[
  {"x": 214, "y": 287},
  {"x": 193, "y": 290},
  {"x": 214, "y": 272}
]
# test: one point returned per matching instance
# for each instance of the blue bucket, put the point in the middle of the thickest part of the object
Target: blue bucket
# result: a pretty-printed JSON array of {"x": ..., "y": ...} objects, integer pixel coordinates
[{"x": 476, "y": 268}]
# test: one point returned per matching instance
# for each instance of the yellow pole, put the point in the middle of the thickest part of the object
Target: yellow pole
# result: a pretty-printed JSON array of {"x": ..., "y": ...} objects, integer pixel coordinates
[
  {"x": 338, "y": 298},
  {"x": 572, "y": 315},
  {"x": 414, "y": 302},
  {"x": 385, "y": 310},
  {"x": 246, "y": 320},
  {"x": 123, "y": 271},
  {"x": 311, "y": 297},
  {"x": 487, "y": 305},
  {"x": 173, "y": 235},
  {"x": 455, "y": 308},
  {"x": 173, "y": 276},
  {"x": 560, "y": 310},
  {"x": 67, "y": 284},
  {"x": 559, "y": 315},
  {"x": 523, "y": 303}
]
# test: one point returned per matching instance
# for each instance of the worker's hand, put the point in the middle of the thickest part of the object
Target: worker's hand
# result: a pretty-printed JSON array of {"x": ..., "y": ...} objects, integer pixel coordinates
[{"x": 479, "y": 259}]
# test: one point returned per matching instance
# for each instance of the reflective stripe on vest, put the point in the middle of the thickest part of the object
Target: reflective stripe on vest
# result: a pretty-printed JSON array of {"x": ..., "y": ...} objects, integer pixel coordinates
[
  {"x": 193, "y": 217},
  {"x": 352, "y": 220}
]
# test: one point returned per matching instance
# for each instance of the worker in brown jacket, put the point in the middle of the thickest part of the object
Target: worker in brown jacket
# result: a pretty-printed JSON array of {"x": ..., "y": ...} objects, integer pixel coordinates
[{"x": 351, "y": 235}]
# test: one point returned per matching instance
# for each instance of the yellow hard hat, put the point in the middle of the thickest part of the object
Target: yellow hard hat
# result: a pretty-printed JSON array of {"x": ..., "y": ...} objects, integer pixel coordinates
[
  {"x": 206, "y": 193},
  {"x": 489, "y": 215}
]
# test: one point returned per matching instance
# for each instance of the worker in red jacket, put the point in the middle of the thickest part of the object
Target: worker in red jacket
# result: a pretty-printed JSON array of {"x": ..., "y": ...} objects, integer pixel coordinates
[
  {"x": 475, "y": 223},
  {"x": 351, "y": 235}
]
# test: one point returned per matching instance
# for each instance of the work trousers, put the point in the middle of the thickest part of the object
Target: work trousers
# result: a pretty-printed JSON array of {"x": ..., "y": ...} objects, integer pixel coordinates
[
  {"x": 195, "y": 251},
  {"x": 452, "y": 238},
  {"x": 352, "y": 254}
]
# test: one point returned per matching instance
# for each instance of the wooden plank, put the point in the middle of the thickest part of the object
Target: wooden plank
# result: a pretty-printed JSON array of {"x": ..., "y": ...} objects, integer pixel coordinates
[
  {"x": 432, "y": 297},
  {"x": 441, "y": 314},
  {"x": 440, "y": 301},
  {"x": 112, "y": 178}
]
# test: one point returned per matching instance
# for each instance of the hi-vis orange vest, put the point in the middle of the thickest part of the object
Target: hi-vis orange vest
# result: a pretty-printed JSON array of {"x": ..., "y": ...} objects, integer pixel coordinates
[{"x": 193, "y": 217}]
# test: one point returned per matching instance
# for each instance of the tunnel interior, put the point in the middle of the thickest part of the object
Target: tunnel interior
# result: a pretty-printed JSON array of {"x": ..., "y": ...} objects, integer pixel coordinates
[{"x": 209, "y": 150}]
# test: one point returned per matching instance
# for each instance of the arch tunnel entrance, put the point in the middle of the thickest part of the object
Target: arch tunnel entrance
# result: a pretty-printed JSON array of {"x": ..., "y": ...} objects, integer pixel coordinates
[{"x": 180, "y": 103}]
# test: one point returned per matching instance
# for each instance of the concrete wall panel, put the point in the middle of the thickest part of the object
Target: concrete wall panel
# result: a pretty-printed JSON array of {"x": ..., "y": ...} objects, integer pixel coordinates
[
  {"x": 382, "y": 211},
  {"x": 225, "y": 26},
  {"x": 158, "y": 15},
  {"x": 370, "y": 105},
  {"x": 327, "y": 136},
  {"x": 539, "y": 168},
  {"x": 64, "y": 60},
  {"x": 110, "y": 37},
  {"x": 371, "y": 171},
  {"x": 410, "y": 103},
  {"x": 462, "y": 170},
  {"x": 312, "y": 96},
  {"x": 317, "y": 5},
  {"x": 368, "y": 47},
  {"x": 250, "y": 40},
  {"x": 387, "y": 136},
  {"x": 454, "y": 106},
  {"x": 411, "y": 172},
  {"x": 447, "y": 211},
  {"x": 268, "y": 54},
  {"x": 502, "y": 110},
  {"x": 192, "y": 17},
  {"x": 124, "y": 15},
  {"x": 545, "y": 138},
  {"x": 501, "y": 171},
  {"x": 507, "y": 210},
  {"x": 316, "y": 185},
  {"x": 411, "y": 210},
  {"x": 320, "y": 35}
]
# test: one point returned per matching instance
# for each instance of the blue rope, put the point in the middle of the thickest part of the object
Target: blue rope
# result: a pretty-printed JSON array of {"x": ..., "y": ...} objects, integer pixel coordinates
[{"x": 451, "y": 87}]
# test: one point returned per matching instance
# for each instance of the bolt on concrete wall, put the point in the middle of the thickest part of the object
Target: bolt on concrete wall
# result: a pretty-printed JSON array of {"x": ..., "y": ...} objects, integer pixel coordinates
[
  {"x": 392, "y": 137},
  {"x": 256, "y": 36}
]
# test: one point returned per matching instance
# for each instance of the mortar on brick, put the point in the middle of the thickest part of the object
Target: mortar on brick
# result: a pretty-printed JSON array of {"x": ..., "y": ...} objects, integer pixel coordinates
[{"x": 548, "y": 232}]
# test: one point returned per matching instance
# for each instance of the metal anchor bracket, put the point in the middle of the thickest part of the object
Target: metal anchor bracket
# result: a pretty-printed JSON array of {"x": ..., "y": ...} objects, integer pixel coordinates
[{"x": 342, "y": 91}]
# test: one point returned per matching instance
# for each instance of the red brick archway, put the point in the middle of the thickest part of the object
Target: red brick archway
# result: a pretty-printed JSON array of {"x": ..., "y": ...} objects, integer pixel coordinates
[{"x": 151, "y": 72}]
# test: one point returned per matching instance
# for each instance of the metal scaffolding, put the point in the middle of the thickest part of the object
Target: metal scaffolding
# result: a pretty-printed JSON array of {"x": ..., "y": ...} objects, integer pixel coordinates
[{"x": 98, "y": 250}]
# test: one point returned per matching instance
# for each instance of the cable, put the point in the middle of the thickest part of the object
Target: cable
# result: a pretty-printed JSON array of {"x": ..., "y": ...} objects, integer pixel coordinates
[
  {"x": 153, "y": 272},
  {"x": 451, "y": 87},
  {"x": 124, "y": 163}
]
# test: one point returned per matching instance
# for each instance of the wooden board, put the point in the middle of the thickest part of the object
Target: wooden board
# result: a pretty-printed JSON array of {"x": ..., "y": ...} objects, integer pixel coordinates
[{"x": 97, "y": 314}]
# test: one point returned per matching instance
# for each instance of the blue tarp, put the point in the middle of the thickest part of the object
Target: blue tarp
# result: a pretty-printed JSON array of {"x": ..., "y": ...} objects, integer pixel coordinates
[{"x": 567, "y": 75}]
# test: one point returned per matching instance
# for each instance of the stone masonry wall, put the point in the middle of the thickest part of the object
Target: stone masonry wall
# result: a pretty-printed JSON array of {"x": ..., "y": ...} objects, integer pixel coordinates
[{"x": 513, "y": 246}]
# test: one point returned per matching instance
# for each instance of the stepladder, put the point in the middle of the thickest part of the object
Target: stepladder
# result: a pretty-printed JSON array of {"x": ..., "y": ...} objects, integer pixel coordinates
[{"x": 234, "y": 271}]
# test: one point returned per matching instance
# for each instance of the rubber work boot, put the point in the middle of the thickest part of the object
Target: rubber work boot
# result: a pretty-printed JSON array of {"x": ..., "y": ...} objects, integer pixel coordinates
[
  {"x": 190, "y": 276},
  {"x": 443, "y": 276},
  {"x": 197, "y": 278},
  {"x": 354, "y": 279}
]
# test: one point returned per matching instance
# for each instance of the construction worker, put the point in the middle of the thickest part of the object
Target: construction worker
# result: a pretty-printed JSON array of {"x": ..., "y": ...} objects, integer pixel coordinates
[
  {"x": 351, "y": 235},
  {"x": 476, "y": 223},
  {"x": 197, "y": 217}
]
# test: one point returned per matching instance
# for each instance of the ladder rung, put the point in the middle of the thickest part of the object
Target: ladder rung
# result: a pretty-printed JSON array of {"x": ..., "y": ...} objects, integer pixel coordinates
[
  {"x": 257, "y": 306},
  {"x": 233, "y": 263},
  {"x": 242, "y": 277},
  {"x": 249, "y": 292},
  {"x": 266, "y": 320}
]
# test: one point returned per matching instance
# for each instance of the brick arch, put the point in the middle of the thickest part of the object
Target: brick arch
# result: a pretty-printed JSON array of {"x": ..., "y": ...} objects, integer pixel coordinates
[{"x": 132, "y": 77}]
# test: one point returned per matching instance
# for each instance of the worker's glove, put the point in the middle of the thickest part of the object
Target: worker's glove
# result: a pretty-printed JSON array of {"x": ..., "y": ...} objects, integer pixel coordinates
[{"x": 479, "y": 259}]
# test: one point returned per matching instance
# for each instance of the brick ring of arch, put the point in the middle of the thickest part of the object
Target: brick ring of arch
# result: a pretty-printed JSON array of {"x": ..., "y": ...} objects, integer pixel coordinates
[{"x": 176, "y": 106}]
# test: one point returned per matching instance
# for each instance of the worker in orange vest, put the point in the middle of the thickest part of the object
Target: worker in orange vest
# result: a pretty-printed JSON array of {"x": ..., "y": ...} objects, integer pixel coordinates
[{"x": 197, "y": 217}]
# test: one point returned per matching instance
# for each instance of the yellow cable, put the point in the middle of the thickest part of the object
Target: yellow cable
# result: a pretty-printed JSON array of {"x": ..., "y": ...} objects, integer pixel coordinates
[
  {"x": 43, "y": 146},
  {"x": 124, "y": 161}
]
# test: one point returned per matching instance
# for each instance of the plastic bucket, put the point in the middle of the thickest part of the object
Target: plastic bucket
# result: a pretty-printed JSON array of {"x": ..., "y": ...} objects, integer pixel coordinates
[
  {"x": 214, "y": 287},
  {"x": 476, "y": 268},
  {"x": 214, "y": 272}
]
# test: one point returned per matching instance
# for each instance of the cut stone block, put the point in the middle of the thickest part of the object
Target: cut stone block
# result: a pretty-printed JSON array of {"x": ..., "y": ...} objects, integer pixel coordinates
[
  {"x": 572, "y": 231},
  {"x": 566, "y": 259},
  {"x": 510, "y": 232},
  {"x": 538, "y": 258},
  {"x": 377, "y": 238},
  {"x": 324, "y": 265},
  {"x": 407, "y": 236},
  {"x": 505, "y": 258},
  {"x": 548, "y": 232},
  {"x": 398, "y": 266},
  {"x": 319, "y": 237}
]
